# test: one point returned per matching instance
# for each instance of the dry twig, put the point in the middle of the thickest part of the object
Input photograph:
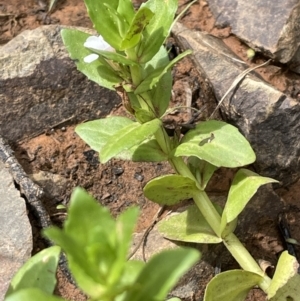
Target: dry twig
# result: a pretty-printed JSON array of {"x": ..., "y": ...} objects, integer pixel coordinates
[{"x": 235, "y": 83}]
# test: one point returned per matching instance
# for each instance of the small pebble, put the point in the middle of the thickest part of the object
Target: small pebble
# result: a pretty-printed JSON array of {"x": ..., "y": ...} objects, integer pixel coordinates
[
  {"x": 117, "y": 170},
  {"x": 105, "y": 196},
  {"x": 91, "y": 157},
  {"x": 138, "y": 177}
]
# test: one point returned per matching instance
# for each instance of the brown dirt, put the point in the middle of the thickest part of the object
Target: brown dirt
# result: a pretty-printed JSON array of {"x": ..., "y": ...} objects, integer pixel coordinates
[{"x": 119, "y": 184}]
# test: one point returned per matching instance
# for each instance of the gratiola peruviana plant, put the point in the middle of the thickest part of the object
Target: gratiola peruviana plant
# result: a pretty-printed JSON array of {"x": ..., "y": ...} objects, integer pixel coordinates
[
  {"x": 137, "y": 66},
  {"x": 127, "y": 54}
]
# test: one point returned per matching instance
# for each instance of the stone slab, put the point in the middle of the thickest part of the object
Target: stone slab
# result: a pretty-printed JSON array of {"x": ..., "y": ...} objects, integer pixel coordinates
[
  {"x": 269, "y": 119},
  {"x": 54, "y": 185},
  {"x": 15, "y": 230},
  {"x": 271, "y": 26},
  {"x": 295, "y": 63},
  {"x": 40, "y": 86}
]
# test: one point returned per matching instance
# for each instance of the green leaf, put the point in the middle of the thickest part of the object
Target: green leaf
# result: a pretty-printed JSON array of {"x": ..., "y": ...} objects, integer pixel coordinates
[
  {"x": 158, "y": 28},
  {"x": 285, "y": 284},
  {"x": 96, "y": 134},
  {"x": 125, "y": 224},
  {"x": 113, "y": 56},
  {"x": 32, "y": 294},
  {"x": 97, "y": 71},
  {"x": 140, "y": 20},
  {"x": 105, "y": 12},
  {"x": 161, "y": 273},
  {"x": 160, "y": 95},
  {"x": 290, "y": 291},
  {"x": 218, "y": 143},
  {"x": 170, "y": 189},
  {"x": 96, "y": 246},
  {"x": 131, "y": 271},
  {"x": 61, "y": 207},
  {"x": 126, "y": 10},
  {"x": 152, "y": 79},
  {"x": 244, "y": 186},
  {"x": 142, "y": 115},
  {"x": 202, "y": 170},
  {"x": 38, "y": 272},
  {"x": 188, "y": 226},
  {"x": 82, "y": 230},
  {"x": 129, "y": 136},
  {"x": 231, "y": 285},
  {"x": 229, "y": 227},
  {"x": 148, "y": 151}
]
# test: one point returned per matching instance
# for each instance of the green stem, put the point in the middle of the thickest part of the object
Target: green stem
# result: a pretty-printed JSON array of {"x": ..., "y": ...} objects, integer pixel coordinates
[
  {"x": 135, "y": 75},
  {"x": 176, "y": 162},
  {"x": 208, "y": 211},
  {"x": 245, "y": 260},
  {"x": 232, "y": 243},
  {"x": 136, "y": 78}
]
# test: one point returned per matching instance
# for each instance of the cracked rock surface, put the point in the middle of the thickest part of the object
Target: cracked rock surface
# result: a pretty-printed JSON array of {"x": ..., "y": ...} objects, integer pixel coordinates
[
  {"x": 39, "y": 77},
  {"x": 271, "y": 26},
  {"x": 15, "y": 230}
]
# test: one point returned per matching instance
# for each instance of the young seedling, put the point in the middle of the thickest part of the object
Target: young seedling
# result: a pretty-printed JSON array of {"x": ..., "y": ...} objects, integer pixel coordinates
[{"x": 97, "y": 247}]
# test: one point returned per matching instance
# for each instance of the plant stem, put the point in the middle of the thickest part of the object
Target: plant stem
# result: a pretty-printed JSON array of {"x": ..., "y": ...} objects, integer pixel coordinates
[
  {"x": 136, "y": 78},
  {"x": 245, "y": 260},
  {"x": 177, "y": 163},
  {"x": 232, "y": 243},
  {"x": 135, "y": 70},
  {"x": 163, "y": 140},
  {"x": 208, "y": 211}
]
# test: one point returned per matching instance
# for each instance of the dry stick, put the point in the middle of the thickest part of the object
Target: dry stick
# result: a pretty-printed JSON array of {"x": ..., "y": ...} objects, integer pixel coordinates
[
  {"x": 143, "y": 239},
  {"x": 51, "y": 6},
  {"x": 223, "y": 53},
  {"x": 235, "y": 83},
  {"x": 43, "y": 131},
  {"x": 189, "y": 97}
]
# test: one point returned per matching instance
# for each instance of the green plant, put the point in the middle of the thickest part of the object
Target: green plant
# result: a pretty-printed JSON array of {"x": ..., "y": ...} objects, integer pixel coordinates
[
  {"x": 129, "y": 57},
  {"x": 139, "y": 71},
  {"x": 97, "y": 247}
]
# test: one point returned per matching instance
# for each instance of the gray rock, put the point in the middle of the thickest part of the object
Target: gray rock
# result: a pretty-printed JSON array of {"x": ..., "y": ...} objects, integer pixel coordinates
[
  {"x": 41, "y": 88},
  {"x": 295, "y": 63},
  {"x": 269, "y": 119},
  {"x": 53, "y": 185},
  {"x": 154, "y": 244},
  {"x": 271, "y": 26},
  {"x": 15, "y": 230}
]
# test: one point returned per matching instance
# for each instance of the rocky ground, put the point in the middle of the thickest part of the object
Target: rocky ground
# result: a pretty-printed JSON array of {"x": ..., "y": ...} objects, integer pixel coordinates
[{"x": 44, "y": 97}]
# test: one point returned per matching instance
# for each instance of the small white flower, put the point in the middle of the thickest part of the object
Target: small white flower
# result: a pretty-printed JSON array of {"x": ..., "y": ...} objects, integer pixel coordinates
[
  {"x": 90, "y": 58},
  {"x": 97, "y": 43}
]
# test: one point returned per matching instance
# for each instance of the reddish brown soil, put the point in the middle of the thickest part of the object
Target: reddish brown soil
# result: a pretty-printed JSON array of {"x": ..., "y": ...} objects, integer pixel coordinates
[{"x": 119, "y": 184}]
